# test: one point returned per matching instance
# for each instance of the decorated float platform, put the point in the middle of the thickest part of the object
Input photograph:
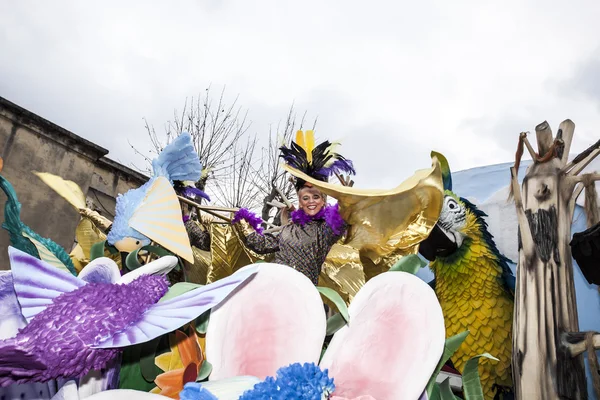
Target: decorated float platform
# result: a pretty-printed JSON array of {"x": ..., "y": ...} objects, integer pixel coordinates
[{"x": 121, "y": 317}]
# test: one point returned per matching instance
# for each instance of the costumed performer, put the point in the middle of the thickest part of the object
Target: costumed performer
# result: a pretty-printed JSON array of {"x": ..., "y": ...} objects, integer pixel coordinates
[
  {"x": 198, "y": 237},
  {"x": 315, "y": 227}
]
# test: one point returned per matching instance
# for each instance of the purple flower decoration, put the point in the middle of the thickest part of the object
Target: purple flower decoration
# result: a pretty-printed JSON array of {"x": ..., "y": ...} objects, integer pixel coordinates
[{"x": 254, "y": 220}]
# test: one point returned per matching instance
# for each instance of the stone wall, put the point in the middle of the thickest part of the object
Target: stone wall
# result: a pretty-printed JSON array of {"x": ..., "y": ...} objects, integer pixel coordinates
[{"x": 29, "y": 143}]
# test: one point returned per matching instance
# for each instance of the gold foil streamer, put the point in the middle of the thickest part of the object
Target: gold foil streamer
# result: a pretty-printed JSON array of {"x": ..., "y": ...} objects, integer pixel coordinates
[{"x": 384, "y": 223}]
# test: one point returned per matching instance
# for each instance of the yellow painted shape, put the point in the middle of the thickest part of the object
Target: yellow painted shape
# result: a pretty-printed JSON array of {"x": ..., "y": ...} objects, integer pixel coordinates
[{"x": 159, "y": 218}]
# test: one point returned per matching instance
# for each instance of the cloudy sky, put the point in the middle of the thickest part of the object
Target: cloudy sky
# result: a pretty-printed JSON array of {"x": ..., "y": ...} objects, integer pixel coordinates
[{"x": 391, "y": 79}]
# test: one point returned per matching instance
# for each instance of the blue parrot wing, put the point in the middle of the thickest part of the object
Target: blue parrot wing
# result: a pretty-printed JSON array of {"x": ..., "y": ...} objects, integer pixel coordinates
[
  {"x": 166, "y": 316},
  {"x": 38, "y": 283},
  {"x": 508, "y": 279}
]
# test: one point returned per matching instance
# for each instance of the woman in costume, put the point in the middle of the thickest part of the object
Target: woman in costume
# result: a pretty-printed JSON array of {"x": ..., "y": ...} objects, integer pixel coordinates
[
  {"x": 304, "y": 242},
  {"x": 198, "y": 237}
]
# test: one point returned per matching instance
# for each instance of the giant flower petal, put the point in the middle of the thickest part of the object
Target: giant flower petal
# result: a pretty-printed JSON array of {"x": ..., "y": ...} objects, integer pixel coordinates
[
  {"x": 393, "y": 342},
  {"x": 275, "y": 320}
]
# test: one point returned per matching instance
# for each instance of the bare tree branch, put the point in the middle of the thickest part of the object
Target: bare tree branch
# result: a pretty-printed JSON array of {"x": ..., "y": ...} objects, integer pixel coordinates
[
  {"x": 216, "y": 129},
  {"x": 583, "y": 159},
  {"x": 271, "y": 179},
  {"x": 526, "y": 236},
  {"x": 575, "y": 342}
]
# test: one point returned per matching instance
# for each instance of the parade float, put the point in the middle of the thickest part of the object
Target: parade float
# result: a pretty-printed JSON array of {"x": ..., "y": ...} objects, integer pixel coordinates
[{"x": 143, "y": 308}]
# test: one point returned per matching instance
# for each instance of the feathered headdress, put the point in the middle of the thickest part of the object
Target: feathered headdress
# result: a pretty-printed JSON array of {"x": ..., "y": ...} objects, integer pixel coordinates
[
  {"x": 189, "y": 190},
  {"x": 318, "y": 162}
]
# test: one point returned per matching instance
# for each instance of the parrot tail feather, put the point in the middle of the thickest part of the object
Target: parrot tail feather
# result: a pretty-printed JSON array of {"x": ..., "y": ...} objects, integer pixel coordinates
[{"x": 179, "y": 160}]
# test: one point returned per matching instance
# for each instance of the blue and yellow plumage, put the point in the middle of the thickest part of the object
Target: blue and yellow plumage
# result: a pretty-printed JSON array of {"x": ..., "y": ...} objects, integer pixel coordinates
[
  {"x": 475, "y": 286},
  {"x": 152, "y": 212}
]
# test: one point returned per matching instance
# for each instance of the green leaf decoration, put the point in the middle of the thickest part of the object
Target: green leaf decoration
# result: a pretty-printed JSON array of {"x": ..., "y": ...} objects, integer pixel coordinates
[
  {"x": 97, "y": 250},
  {"x": 452, "y": 344},
  {"x": 446, "y": 391},
  {"x": 435, "y": 392},
  {"x": 178, "y": 289},
  {"x": 202, "y": 322},
  {"x": 336, "y": 299},
  {"x": 148, "y": 367},
  {"x": 470, "y": 378},
  {"x": 334, "y": 324},
  {"x": 204, "y": 371},
  {"x": 132, "y": 262},
  {"x": 130, "y": 375},
  {"x": 323, "y": 350},
  {"x": 411, "y": 263}
]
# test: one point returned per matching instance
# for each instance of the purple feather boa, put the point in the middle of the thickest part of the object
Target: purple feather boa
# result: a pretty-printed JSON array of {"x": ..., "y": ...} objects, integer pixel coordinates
[
  {"x": 330, "y": 214},
  {"x": 254, "y": 220}
]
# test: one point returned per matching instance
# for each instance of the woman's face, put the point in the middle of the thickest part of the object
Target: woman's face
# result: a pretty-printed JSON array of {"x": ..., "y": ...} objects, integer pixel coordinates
[{"x": 311, "y": 200}]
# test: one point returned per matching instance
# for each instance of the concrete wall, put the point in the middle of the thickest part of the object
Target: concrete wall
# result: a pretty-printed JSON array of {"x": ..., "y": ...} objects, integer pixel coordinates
[{"x": 30, "y": 143}]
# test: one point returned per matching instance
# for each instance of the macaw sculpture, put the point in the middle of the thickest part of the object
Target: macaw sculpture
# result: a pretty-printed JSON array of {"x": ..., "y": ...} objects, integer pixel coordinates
[
  {"x": 475, "y": 287},
  {"x": 152, "y": 211}
]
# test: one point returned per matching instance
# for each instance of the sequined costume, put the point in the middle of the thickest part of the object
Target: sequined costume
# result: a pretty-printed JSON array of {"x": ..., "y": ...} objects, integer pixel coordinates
[
  {"x": 198, "y": 237},
  {"x": 303, "y": 244}
]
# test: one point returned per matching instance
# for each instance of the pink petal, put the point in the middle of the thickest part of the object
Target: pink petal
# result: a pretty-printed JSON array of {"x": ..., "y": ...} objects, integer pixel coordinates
[
  {"x": 274, "y": 320},
  {"x": 393, "y": 342}
]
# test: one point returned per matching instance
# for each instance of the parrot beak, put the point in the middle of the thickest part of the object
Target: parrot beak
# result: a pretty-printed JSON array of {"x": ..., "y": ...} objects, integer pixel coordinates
[{"x": 438, "y": 244}]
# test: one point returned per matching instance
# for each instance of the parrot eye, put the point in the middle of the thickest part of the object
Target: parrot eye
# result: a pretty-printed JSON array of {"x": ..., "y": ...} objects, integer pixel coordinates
[
  {"x": 452, "y": 204},
  {"x": 137, "y": 242}
]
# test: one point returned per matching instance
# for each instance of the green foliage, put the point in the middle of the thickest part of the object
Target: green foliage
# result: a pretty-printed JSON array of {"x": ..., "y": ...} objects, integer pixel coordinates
[
  {"x": 178, "y": 289},
  {"x": 470, "y": 377},
  {"x": 97, "y": 250},
  {"x": 336, "y": 299},
  {"x": 452, "y": 344},
  {"x": 471, "y": 382},
  {"x": 334, "y": 324},
  {"x": 411, "y": 263},
  {"x": 132, "y": 262},
  {"x": 204, "y": 371},
  {"x": 202, "y": 322}
]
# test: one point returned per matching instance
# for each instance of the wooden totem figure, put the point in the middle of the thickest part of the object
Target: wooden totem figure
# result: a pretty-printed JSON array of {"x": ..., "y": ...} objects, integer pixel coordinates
[{"x": 544, "y": 365}]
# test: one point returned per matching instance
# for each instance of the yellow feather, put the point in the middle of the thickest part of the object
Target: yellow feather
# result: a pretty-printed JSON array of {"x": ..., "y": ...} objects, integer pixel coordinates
[
  {"x": 310, "y": 144},
  {"x": 69, "y": 190},
  {"x": 300, "y": 139}
]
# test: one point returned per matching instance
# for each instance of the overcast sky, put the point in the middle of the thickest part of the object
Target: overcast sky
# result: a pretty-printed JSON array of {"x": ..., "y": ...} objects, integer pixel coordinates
[{"x": 391, "y": 79}]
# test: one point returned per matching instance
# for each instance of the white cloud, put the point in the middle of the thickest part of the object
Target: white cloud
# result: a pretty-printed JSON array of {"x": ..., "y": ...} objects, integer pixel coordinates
[{"x": 462, "y": 77}]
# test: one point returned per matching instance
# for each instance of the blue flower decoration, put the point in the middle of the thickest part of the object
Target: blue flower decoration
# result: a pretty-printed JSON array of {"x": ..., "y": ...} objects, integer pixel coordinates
[
  {"x": 195, "y": 391},
  {"x": 296, "y": 381}
]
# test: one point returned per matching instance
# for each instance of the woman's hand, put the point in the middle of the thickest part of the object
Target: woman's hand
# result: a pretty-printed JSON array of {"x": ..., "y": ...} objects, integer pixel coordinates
[{"x": 285, "y": 214}]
